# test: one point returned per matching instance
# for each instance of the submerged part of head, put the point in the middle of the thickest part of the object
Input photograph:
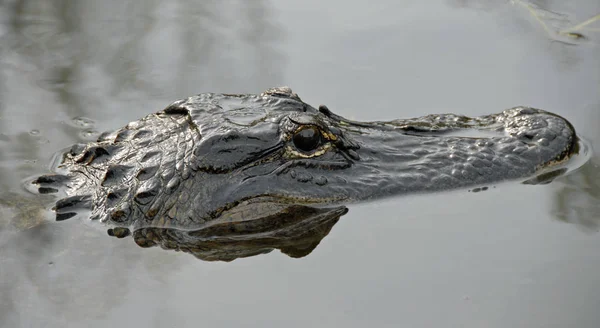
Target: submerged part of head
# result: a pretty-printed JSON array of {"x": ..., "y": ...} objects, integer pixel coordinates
[
  {"x": 201, "y": 156},
  {"x": 295, "y": 230}
]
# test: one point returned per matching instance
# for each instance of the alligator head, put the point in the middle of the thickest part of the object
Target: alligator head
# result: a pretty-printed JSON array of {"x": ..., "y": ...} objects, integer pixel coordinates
[{"x": 202, "y": 156}]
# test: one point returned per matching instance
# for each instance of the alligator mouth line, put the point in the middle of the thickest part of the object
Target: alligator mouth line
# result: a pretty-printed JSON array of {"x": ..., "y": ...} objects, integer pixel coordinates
[{"x": 304, "y": 162}]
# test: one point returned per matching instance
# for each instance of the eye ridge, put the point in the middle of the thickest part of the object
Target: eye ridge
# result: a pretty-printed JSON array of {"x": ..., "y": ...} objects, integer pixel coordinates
[{"x": 307, "y": 139}]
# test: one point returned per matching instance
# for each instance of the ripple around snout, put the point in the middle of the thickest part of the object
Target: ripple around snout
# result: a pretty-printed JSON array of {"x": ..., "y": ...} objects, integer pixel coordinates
[{"x": 580, "y": 157}]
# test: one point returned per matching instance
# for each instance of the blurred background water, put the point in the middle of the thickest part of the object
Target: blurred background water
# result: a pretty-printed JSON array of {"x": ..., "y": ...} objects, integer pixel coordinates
[{"x": 512, "y": 256}]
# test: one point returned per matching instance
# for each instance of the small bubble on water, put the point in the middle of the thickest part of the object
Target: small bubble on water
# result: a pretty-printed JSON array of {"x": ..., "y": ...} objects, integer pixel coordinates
[
  {"x": 89, "y": 134},
  {"x": 34, "y": 132},
  {"x": 83, "y": 122}
]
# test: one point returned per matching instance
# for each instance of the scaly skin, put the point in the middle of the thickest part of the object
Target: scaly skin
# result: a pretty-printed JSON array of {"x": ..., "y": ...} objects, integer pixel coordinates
[{"x": 185, "y": 165}]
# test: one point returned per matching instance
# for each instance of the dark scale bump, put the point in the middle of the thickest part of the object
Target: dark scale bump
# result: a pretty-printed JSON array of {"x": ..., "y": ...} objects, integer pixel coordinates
[
  {"x": 105, "y": 136},
  {"x": 527, "y": 111},
  {"x": 147, "y": 172},
  {"x": 324, "y": 110},
  {"x": 172, "y": 185},
  {"x": 168, "y": 171},
  {"x": 116, "y": 174},
  {"x": 150, "y": 155},
  {"x": 142, "y": 134},
  {"x": 120, "y": 215},
  {"x": 152, "y": 212},
  {"x": 92, "y": 154},
  {"x": 130, "y": 156},
  {"x": 113, "y": 197},
  {"x": 76, "y": 149},
  {"x": 144, "y": 197},
  {"x": 176, "y": 109},
  {"x": 144, "y": 143},
  {"x": 123, "y": 135},
  {"x": 528, "y": 136},
  {"x": 147, "y": 192}
]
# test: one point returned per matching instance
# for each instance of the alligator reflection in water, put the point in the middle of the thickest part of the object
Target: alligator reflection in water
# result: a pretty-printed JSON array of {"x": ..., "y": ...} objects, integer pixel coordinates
[
  {"x": 246, "y": 230},
  {"x": 173, "y": 175}
]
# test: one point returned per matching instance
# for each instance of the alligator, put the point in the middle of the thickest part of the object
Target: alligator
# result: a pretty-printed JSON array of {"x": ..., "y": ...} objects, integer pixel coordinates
[{"x": 185, "y": 166}]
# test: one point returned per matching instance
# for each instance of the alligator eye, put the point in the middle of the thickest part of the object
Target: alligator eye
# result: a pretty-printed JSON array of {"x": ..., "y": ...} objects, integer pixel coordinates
[{"x": 307, "y": 139}]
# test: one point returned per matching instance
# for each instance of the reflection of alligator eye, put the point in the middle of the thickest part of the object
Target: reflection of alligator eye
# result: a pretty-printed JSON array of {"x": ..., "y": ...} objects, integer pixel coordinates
[{"x": 307, "y": 139}]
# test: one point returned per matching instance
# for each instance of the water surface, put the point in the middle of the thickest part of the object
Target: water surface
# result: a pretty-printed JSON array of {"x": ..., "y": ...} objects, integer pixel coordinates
[{"x": 511, "y": 256}]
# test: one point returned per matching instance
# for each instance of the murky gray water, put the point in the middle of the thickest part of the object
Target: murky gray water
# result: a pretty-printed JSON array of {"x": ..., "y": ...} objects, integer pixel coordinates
[{"x": 512, "y": 256}]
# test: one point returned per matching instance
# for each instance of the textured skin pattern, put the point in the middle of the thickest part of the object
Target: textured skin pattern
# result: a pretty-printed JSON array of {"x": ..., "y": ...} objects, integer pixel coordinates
[
  {"x": 520, "y": 142},
  {"x": 186, "y": 165}
]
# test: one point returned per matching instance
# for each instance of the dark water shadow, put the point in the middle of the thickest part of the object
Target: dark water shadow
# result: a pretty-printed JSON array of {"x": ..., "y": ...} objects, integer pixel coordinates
[
  {"x": 246, "y": 230},
  {"x": 577, "y": 201}
]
